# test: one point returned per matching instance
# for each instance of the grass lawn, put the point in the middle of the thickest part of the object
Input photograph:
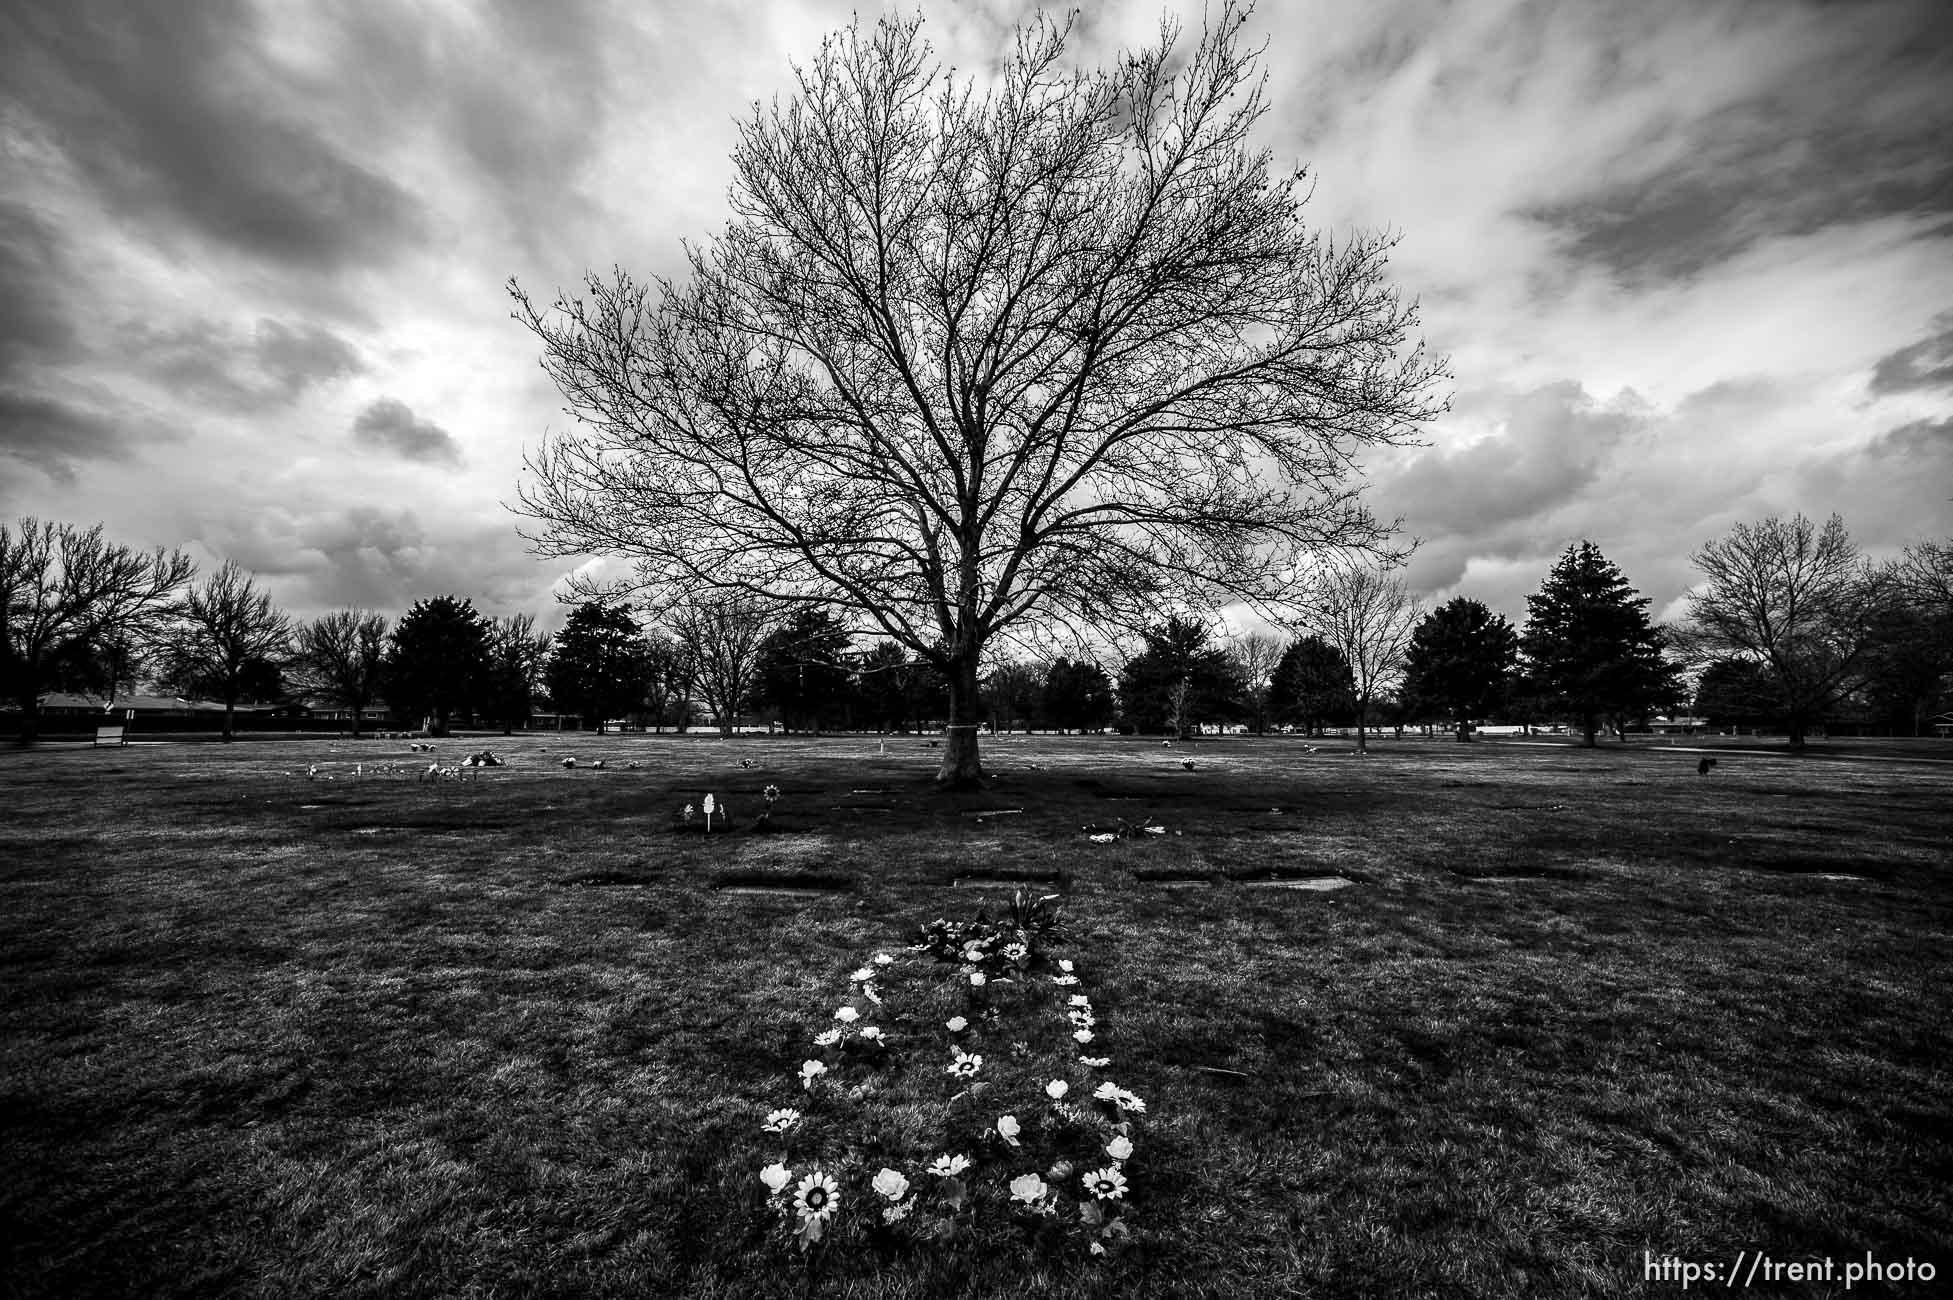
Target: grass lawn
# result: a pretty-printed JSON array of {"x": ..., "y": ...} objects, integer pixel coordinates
[{"x": 267, "y": 1035}]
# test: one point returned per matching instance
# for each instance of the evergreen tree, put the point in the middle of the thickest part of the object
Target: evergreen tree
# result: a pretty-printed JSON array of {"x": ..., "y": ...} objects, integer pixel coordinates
[
  {"x": 1180, "y": 678},
  {"x": 436, "y": 661},
  {"x": 599, "y": 666},
  {"x": 802, "y": 669},
  {"x": 1312, "y": 685},
  {"x": 1461, "y": 657},
  {"x": 1077, "y": 694},
  {"x": 1588, "y": 646}
]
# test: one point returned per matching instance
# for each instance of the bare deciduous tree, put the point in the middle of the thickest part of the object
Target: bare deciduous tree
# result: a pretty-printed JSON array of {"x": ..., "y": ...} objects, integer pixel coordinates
[
  {"x": 1368, "y": 615},
  {"x": 66, "y": 592},
  {"x": 720, "y": 632},
  {"x": 1796, "y": 599},
  {"x": 1060, "y": 353},
  {"x": 232, "y": 640},
  {"x": 337, "y": 657},
  {"x": 1256, "y": 654}
]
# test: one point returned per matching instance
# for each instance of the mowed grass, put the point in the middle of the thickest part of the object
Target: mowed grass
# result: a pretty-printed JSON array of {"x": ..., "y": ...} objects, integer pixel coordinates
[{"x": 272, "y": 1036}]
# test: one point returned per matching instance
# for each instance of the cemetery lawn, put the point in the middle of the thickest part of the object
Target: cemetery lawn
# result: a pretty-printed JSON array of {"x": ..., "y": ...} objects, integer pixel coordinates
[{"x": 273, "y": 1036}]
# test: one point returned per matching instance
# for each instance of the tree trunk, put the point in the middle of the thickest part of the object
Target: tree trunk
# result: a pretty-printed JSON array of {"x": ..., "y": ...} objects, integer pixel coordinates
[
  {"x": 1590, "y": 725},
  {"x": 1464, "y": 731},
  {"x": 962, "y": 768},
  {"x": 1362, "y": 711},
  {"x": 1797, "y": 732},
  {"x": 30, "y": 718},
  {"x": 230, "y": 713},
  {"x": 359, "y": 714}
]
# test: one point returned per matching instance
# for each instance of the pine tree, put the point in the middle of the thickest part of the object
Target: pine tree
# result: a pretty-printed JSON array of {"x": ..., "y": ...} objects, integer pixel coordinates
[
  {"x": 1588, "y": 645},
  {"x": 599, "y": 665},
  {"x": 1312, "y": 685},
  {"x": 1460, "y": 661},
  {"x": 436, "y": 661}
]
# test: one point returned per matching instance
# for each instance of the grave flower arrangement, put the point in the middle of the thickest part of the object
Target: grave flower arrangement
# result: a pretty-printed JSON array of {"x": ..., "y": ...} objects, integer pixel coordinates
[{"x": 948, "y": 1102}]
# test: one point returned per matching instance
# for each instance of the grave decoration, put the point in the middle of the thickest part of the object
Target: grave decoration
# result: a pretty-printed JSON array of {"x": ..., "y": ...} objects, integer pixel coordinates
[{"x": 953, "y": 1099}]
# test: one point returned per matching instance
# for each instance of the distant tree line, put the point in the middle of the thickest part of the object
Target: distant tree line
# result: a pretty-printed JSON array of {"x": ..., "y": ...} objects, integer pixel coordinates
[{"x": 1791, "y": 628}]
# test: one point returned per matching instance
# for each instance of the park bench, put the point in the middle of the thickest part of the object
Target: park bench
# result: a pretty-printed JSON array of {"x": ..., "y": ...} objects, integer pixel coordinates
[{"x": 110, "y": 735}]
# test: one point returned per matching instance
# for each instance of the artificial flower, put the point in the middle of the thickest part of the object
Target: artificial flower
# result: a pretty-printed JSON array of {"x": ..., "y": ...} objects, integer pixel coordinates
[
  {"x": 872, "y": 1033},
  {"x": 847, "y": 1015},
  {"x": 1056, "y": 1089},
  {"x": 863, "y": 975},
  {"x": 957, "y": 1024},
  {"x": 868, "y": 991},
  {"x": 1064, "y": 964},
  {"x": 811, "y": 1070},
  {"x": 1016, "y": 951},
  {"x": 1095, "y": 1062},
  {"x": 949, "y": 1166},
  {"x": 776, "y": 1178},
  {"x": 891, "y": 1184},
  {"x": 883, "y": 959},
  {"x": 1028, "y": 1188},
  {"x": 827, "y": 1038},
  {"x": 1083, "y": 1035},
  {"x": 1097, "y": 1249},
  {"x": 1080, "y": 1000},
  {"x": 965, "y": 1065},
  {"x": 1064, "y": 979},
  {"x": 816, "y": 1197},
  {"x": 779, "y": 1121},
  {"x": 1119, "y": 1148},
  {"x": 1106, "y": 1184},
  {"x": 1008, "y": 1129},
  {"x": 976, "y": 979}
]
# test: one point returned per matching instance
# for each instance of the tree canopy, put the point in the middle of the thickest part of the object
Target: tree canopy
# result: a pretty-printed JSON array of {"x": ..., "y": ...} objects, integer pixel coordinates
[
  {"x": 1460, "y": 659},
  {"x": 230, "y": 641},
  {"x": 599, "y": 666},
  {"x": 1798, "y": 600},
  {"x": 1062, "y": 352},
  {"x": 1368, "y": 616},
  {"x": 436, "y": 661},
  {"x": 1588, "y": 645},
  {"x": 1181, "y": 678},
  {"x": 1312, "y": 685},
  {"x": 1078, "y": 695},
  {"x": 64, "y": 591},
  {"x": 337, "y": 658},
  {"x": 802, "y": 669}
]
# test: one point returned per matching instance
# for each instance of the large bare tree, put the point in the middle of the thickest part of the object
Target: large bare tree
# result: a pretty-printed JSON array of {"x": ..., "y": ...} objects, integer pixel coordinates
[
  {"x": 231, "y": 642},
  {"x": 1059, "y": 353},
  {"x": 1795, "y": 599},
  {"x": 66, "y": 593},
  {"x": 1363, "y": 611},
  {"x": 337, "y": 657},
  {"x": 721, "y": 633}
]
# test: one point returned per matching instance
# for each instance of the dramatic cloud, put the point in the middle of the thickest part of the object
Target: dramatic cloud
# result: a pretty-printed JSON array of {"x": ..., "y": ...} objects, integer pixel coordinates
[
  {"x": 389, "y": 425},
  {"x": 1927, "y": 364},
  {"x": 1691, "y": 260}
]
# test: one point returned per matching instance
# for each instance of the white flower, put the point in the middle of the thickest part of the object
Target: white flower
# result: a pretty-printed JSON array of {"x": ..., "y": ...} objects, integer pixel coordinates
[
  {"x": 949, "y": 1166},
  {"x": 1064, "y": 964},
  {"x": 816, "y": 1197},
  {"x": 1008, "y": 1129},
  {"x": 1064, "y": 979},
  {"x": 1119, "y": 1148},
  {"x": 1103, "y": 837},
  {"x": 827, "y": 1038},
  {"x": 964, "y": 1065},
  {"x": 1080, "y": 1000},
  {"x": 1016, "y": 951},
  {"x": 776, "y": 1178},
  {"x": 897, "y": 1213},
  {"x": 872, "y": 1033},
  {"x": 1081, "y": 1016},
  {"x": 847, "y": 1015},
  {"x": 883, "y": 959},
  {"x": 1056, "y": 1089},
  {"x": 868, "y": 991},
  {"x": 1095, "y": 1062},
  {"x": 1107, "y": 1184},
  {"x": 864, "y": 974},
  {"x": 956, "y": 1024},
  {"x": 1112, "y": 1092},
  {"x": 891, "y": 1184},
  {"x": 779, "y": 1121},
  {"x": 1028, "y": 1188},
  {"x": 1097, "y": 1249},
  {"x": 1082, "y": 1035},
  {"x": 976, "y": 979},
  {"x": 811, "y": 1070}
]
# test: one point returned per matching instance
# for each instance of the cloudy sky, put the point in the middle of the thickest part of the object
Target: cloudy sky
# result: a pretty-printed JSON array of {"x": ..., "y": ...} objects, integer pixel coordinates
[{"x": 1692, "y": 261}]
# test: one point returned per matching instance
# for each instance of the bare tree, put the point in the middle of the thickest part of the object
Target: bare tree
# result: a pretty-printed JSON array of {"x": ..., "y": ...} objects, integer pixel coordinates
[
  {"x": 232, "y": 642},
  {"x": 1368, "y": 615},
  {"x": 517, "y": 654},
  {"x": 1012, "y": 688},
  {"x": 66, "y": 592},
  {"x": 1256, "y": 654},
  {"x": 721, "y": 633},
  {"x": 337, "y": 658},
  {"x": 1795, "y": 599},
  {"x": 1060, "y": 354}
]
